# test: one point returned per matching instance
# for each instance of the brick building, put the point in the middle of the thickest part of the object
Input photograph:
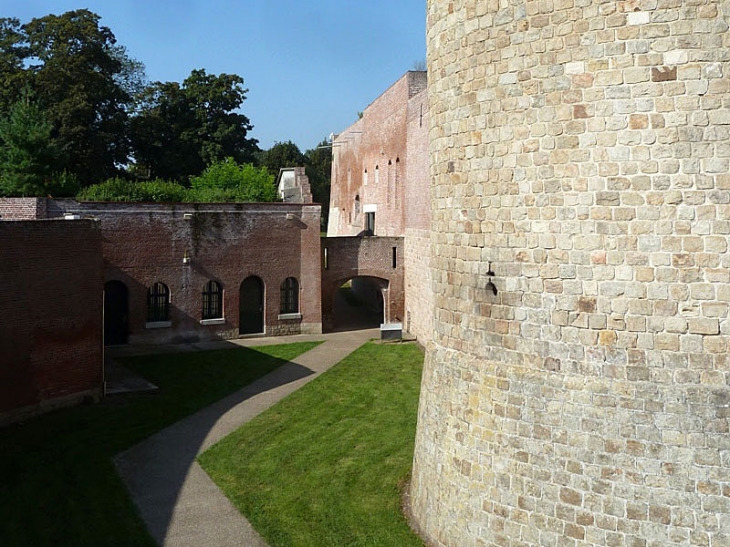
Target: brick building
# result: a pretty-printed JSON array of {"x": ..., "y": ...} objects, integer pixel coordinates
[
  {"x": 51, "y": 274},
  {"x": 155, "y": 273},
  {"x": 187, "y": 272},
  {"x": 380, "y": 187}
]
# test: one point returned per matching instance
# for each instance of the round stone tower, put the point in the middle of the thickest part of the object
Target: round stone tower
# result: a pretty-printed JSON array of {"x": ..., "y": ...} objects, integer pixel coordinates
[{"x": 576, "y": 391}]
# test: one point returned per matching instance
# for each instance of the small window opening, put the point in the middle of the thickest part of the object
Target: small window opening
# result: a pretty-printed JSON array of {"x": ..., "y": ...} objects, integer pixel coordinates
[
  {"x": 290, "y": 295},
  {"x": 158, "y": 303},
  {"x": 370, "y": 224},
  {"x": 326, "y": 259},
  {"x": 213, "y": 300},
  {"x": 395, "y": 257}
]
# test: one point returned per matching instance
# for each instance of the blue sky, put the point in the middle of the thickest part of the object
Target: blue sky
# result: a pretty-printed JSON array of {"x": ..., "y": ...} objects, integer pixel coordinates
[{"x": 309, "y": 65}]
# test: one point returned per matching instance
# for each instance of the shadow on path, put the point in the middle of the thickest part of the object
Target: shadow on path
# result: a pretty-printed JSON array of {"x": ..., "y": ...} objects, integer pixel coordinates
[{"x": 177, "y": 500}]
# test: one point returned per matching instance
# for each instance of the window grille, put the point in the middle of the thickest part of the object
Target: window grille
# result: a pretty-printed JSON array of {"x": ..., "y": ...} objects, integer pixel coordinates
[
  {"x": 290, "y": 296},
  {"x": 213, "y": 300},
  {"x": 158, "y": 303}
]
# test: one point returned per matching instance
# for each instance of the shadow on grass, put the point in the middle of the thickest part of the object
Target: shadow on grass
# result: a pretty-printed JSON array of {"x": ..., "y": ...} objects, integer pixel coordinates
[
  {"x": 325, "y": 465},
  {"x": 58, "y": 484},
  {"x": 158, "y": 469}
]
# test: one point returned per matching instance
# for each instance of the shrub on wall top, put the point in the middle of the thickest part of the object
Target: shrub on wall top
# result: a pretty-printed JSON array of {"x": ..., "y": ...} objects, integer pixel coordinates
[
  {"x": 241, "y": 182},
  {"x": 224, "y": 181}
]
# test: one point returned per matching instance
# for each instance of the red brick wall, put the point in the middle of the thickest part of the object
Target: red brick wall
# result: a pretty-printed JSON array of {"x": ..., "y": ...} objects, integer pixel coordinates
[
  {"x": 22, "y": 208},
  {"x": 349, "y": 257},
  {"x": 51, "y": 309},
  {"x": 146, "y": 243},
  {"x": 378, "y": 143},
  {"x": 394, "y": 127},
  {"x": 416, "y": 187}
]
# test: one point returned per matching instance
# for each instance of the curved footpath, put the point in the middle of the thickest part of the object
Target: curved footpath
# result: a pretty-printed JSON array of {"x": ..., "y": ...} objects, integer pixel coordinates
[{"x": 178, "y": 501}]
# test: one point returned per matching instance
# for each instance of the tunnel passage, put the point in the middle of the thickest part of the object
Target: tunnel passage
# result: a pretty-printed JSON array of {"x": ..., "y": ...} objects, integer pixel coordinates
[{"x": 373, "y": 266}]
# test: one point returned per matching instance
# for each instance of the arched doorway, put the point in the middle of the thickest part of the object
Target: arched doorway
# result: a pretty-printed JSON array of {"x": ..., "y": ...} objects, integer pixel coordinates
[
  {"x": 358, "y": 304},
  {"x": 116, "y": 313},
  {"x": 251, "y": 306}
]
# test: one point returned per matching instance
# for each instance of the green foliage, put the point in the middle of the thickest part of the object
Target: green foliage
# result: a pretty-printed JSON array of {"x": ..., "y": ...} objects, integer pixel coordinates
[
  {"x": 324, "y": 465},
  {"x": 281, "y": 155},
  {"x": 228, "y": 181},
  {"x": 118, "y": 189},
  {"x": 131, "y": 76},
  {"x": 224, "y": 181},
  {"x": 12, "y": 55},
  {"x": 73, "y": 70},
  {"x": 181, "y": 128},
  {"x": 318, "y": 162},
  {"x": 58, "y": 483},
  {"x": 29, "y": 155}
]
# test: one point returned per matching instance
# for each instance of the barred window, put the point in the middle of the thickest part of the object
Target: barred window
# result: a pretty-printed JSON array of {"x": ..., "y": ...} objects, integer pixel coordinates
[
  {"x": 290, "y": 296},
  {"x": 213, "y": 300},
  {"x": 158, "y": 303}
]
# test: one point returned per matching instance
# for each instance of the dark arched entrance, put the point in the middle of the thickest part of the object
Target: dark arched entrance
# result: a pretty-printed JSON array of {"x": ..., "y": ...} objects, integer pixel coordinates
[
  {"x": 116, "y": 313},
  {"x": 251, "y": 306},
  {"x": 358, "y": 304}
]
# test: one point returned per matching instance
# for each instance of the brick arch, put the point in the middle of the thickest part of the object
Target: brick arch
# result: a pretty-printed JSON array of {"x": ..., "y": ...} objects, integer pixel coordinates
[{"x": 345, "y": 258}]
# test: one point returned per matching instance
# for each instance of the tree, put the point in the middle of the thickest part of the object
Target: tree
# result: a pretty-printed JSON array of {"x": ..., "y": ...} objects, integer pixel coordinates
[
  {"x": 281, "y": 155},
  {"x": 318, "y": 162},
  {"x": 73, "y": 70},
  {"x": 12, "y": 55},
  {"x": 131, "y": 77},
  {"x": 180, "y": 129},
  {"x": 29, "y": 156}
]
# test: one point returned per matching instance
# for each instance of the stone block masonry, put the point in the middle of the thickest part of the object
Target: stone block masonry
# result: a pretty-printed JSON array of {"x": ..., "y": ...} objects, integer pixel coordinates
[{"x": 579, "y": 396}]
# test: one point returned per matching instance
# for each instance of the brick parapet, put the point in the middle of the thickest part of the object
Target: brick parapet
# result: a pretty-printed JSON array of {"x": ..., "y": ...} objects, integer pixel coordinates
[{"x": 23, "y": 208}]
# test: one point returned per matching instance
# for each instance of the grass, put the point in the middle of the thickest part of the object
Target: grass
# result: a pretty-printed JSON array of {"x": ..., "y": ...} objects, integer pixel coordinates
[
  {"x": 325, "y": 465},
  {"x": 58, "y": 485}
]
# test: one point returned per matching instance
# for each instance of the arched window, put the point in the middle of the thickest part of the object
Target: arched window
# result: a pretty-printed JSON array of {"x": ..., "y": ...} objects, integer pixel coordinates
[
  {"x": 290, "y": 296},
  {"x": 158, "y": 303},
  {"x": 213, "y": 300}
]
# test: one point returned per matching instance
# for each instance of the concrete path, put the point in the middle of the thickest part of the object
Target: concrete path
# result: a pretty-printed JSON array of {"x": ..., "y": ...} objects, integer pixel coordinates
[{"x": 179, "y": 502}]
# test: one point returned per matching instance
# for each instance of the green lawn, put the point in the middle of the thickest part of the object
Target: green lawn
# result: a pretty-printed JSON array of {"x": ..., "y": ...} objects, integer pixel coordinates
[
  {"x": 58, "y": 485},
  {"x": 324, "y": 466}
]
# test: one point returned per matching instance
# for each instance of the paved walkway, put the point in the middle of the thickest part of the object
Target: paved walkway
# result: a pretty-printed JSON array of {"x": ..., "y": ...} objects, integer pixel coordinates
[{"x": 179, "y": 502}]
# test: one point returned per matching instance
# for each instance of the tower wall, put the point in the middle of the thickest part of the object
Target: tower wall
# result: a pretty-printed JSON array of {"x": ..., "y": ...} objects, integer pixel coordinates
[{"x": 579, "y": 395}]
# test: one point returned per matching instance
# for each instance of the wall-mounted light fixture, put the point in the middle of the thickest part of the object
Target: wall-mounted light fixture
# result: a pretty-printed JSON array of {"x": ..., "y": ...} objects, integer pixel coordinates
[
  {"x": 490, "y": 286},
  {"x": 186, "y": 257},
  {"x": 188, "y": 216}
]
